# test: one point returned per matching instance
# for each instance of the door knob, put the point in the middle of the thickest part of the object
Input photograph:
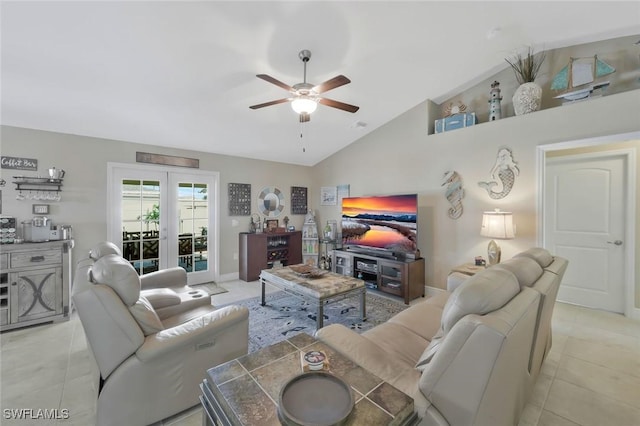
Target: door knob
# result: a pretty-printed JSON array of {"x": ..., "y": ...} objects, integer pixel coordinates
[{"x": 616, "y": 242}]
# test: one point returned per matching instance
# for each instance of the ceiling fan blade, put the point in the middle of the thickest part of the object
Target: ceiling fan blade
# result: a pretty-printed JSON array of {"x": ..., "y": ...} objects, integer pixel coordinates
[
  {"x": 266, "y": 104},
  {"x": 336, "y": 81},
  {"x": 272, "y": 80},
  {"x": 339, "y": 105}
]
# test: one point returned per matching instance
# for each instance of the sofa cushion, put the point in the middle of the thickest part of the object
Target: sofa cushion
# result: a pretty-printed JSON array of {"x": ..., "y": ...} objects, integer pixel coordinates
[
  {"x": 399, "y": 341},
  {"x": 526, "y": 270},
  {"x": 117, "y": 273},
  {"x": 422, "y": 319},
  {"x": 480, "y": 294},
  {"x": 484, "y": 292},
  {"x": 146, "y": 317},
  {"x": 161, "y": 297},
  {"x": 540, "y": 255}
]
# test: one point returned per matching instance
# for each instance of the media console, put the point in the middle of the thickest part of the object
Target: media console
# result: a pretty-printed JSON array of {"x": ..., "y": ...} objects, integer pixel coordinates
[{"x": 383, "y": 272}]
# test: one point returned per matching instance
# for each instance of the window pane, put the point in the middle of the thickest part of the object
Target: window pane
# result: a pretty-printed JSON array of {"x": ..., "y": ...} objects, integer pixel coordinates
[
  {"x": 193, "y": 218},
  {"x": 140, "y": 221}
]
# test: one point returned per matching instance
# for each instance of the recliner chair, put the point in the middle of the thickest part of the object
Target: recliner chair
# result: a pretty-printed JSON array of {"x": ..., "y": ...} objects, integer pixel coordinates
[{"x": 150, "y": 366}]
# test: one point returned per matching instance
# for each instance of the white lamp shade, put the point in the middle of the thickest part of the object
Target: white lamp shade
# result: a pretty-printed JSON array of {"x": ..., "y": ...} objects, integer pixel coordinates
[
  {"x": 497, "y": 225},
  {"x": 304, "y": 105}
]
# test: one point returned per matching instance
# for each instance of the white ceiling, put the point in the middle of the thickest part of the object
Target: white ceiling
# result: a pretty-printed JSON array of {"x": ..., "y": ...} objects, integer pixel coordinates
[{"x": 182, "y": 74}]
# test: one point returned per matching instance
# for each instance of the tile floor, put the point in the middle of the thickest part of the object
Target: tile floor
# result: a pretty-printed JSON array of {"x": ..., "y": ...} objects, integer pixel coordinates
[{"x": 591, "y": 376}]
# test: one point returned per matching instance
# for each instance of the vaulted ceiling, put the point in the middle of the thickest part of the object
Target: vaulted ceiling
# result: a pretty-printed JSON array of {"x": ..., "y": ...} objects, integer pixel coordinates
[{"x": 183, "y": 74}]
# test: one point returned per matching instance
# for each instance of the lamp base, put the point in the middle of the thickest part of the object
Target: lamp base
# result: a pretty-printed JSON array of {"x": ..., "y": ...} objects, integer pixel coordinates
[{"x": 493, "y": 253}]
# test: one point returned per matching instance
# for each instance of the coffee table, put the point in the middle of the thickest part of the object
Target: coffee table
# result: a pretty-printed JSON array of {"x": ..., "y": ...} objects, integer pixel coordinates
[
  {"x": 319, "y": 291},
  {"x": 245, "y": 391}
]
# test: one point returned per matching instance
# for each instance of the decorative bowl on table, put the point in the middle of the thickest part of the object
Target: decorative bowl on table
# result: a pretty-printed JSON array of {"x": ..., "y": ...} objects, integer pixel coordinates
[
  {"x": 315, "y": 360},
  {"x": 307, "y": 271},
  {"x": 315, "y": 398}
]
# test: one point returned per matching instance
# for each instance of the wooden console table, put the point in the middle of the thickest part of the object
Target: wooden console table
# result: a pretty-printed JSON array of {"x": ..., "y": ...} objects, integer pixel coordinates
[
  {"x": 35, "y": 282},
  {"x": 259, "y": 251},
  {"x": 468, "y": 268}
]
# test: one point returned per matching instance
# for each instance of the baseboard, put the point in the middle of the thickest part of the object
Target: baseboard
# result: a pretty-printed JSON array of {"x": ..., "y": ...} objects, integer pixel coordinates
[
  {"x": 234, "y": 276},
  {"x": 432, "y": 291},
  {"x": 635, "y": 314}
]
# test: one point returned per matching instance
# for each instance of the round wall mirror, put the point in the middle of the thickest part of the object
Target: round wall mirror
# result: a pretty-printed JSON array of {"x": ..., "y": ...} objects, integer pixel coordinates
[{"x": 270, "y": 201}]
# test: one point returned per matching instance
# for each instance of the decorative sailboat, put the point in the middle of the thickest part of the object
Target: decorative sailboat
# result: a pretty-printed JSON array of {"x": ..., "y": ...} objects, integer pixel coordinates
[{"x": 578, "y": 78}]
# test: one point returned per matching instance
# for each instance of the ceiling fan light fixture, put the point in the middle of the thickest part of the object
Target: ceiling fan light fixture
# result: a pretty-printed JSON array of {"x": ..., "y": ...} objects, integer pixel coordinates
[{"x": 304, "y": 105}]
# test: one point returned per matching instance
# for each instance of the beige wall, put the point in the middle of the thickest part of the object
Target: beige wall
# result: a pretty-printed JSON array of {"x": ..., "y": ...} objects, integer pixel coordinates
[
  {"x": 400, "y": 158},
  {"x": 84, "y": 191}
]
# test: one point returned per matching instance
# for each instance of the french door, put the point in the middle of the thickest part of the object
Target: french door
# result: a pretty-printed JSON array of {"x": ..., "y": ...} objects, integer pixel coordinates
[{"x": 163, "y": 217}]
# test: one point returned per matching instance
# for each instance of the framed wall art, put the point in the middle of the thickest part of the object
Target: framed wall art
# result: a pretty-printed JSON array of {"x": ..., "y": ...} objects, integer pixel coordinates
[
  {"x": 272, "y": 225},
  {"x": 328, "y": 196},
  {"x": 239, "y": 199},
  {"x": 270, "y": 201},
  {"x": 298, "y": 200},
  {"x": 343, "y": 192},
  {"x": 40, "y": 208}
]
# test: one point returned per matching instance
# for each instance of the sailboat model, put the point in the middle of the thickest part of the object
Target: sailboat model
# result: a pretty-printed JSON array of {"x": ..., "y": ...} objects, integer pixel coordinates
[{"x": 578, "y": 78}]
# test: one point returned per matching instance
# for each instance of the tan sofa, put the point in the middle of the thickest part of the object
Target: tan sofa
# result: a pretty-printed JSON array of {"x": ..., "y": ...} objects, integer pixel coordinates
[
  {"x": 151, "y": 358},
  {"x": 469, "y": 357}
]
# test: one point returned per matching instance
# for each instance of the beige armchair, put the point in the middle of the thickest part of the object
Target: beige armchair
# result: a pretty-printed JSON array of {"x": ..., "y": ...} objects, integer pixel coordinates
[{"x": 151, "y": 361}]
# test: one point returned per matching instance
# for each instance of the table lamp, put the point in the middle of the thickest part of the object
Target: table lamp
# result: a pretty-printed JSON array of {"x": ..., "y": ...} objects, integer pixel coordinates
[{"x": 496, "y": 224}]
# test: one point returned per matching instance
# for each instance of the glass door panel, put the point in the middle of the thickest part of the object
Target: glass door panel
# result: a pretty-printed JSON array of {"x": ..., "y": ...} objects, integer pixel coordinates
[
  {"x": 162, "y": 218},
  {"x": 193, "y": 224},
  {"x": 140, "y": 221}
]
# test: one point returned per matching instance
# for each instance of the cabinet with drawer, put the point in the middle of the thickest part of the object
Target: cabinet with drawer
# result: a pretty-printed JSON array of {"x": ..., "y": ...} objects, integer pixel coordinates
[{"x": 35, "y": 282}]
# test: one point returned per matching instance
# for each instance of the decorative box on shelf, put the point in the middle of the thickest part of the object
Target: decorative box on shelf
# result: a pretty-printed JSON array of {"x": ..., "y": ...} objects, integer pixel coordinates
[{"x": 456, "y": 121}]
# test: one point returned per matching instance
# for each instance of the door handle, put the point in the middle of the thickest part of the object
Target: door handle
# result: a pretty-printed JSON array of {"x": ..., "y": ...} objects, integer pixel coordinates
[{"x": 616, "y": 242}]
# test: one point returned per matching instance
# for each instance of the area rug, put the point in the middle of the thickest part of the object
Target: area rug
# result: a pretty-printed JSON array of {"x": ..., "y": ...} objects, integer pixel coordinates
[
  {"x": 285, "y": 316},
  {"x": 211, "y": 287}
]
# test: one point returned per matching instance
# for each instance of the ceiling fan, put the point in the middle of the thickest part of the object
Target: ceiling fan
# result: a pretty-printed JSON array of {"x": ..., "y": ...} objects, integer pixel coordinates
[{"x": 306, "y": 96}]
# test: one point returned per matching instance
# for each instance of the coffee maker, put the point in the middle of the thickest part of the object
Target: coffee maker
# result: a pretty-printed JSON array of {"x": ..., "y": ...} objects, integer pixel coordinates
[{"x": 37, "y": 229}]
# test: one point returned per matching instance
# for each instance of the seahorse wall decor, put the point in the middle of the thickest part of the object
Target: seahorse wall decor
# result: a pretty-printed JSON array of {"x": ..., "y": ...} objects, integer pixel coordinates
[
  {"x": 503, "y": 173},
  {"x": 454, "y": 193}
]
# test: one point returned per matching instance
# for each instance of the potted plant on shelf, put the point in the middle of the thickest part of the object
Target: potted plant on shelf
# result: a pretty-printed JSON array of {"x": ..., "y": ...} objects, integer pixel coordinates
[{"x": 528, "y": 96}]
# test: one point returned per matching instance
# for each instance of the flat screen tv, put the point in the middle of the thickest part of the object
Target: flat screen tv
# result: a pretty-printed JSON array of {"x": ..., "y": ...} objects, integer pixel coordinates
[{"x": 384, "y": 223}]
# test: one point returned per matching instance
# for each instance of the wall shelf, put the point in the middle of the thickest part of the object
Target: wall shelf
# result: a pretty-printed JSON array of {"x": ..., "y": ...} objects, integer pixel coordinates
[{"x": 38, "y": 184}]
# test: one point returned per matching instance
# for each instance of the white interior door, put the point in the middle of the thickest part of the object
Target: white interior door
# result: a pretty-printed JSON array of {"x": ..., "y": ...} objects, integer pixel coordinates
[
  {"x": 163, "y": 218},
  {"x": 584, "y": 221}
]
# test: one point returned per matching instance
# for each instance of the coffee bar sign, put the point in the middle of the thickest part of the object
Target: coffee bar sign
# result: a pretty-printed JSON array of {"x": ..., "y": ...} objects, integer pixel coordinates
[{"x": 19, "y": 163}]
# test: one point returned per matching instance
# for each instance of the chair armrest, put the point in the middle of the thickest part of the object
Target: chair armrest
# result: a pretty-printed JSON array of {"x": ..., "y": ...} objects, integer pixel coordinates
[
  {"x": 172, "y": 277},
  {"x": 199, "y": 332},
  {"x": 455, "y": 279}
]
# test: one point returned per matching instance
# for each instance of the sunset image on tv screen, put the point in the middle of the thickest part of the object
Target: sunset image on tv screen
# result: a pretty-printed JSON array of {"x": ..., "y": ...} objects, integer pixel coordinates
[{"x": 388, "y": 222}]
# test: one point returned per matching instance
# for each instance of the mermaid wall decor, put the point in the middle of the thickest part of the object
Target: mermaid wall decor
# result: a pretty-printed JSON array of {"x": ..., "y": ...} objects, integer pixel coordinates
[
  {"x": 503, "y": 173},
  {"x": 454, "y": 193}
]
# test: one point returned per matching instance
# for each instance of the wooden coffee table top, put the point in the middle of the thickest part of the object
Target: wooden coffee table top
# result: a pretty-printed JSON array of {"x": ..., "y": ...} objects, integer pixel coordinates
[
  {"x": 322, "y": 287},
  {"x": 248, "y": 387}
]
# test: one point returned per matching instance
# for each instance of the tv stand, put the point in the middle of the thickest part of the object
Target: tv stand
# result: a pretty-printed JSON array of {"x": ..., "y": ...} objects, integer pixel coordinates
[
  {"x": 372, "y": 252},
  {"x": 400, "y": 277}
]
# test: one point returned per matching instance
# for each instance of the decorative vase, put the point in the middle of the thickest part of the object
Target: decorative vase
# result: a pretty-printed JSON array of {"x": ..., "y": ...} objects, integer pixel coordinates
[{"x": 527, "y": 98}]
